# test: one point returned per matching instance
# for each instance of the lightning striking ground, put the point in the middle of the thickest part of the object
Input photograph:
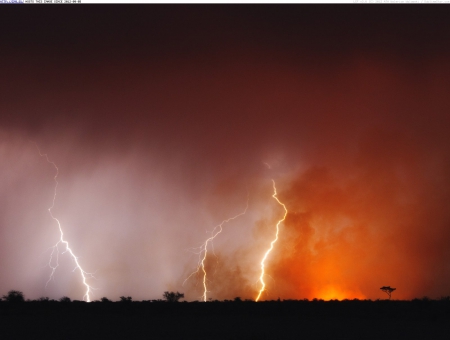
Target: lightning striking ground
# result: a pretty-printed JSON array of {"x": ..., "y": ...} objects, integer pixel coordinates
[
  {"x": 204, "y": 250},
  {"x": 261, "y": 278},
  {"x": 53, "y": 262}
]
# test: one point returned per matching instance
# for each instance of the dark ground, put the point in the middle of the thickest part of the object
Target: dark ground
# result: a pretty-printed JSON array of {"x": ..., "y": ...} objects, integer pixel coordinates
[{"x": 417, "y": 319}]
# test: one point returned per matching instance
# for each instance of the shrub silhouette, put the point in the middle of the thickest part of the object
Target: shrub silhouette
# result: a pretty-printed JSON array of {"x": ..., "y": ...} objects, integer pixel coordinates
[
  {"x": 43, "y": 299},
  {"x": 14, "y": 296},
  {"x": 173, "y": 297},
  {"x": 65, "y": 299},
  {"x": 125, "y": 299}
]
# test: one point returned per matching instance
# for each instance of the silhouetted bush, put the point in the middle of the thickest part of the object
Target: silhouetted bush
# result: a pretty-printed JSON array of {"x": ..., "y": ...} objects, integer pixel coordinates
[
  {"x": 173, "y": 297},
  {"x": 14, "y": 296},
  {"x": 65, "y": 299},
  {"x": 43, "y": 299},
  {"x": 126, "y": 299}
]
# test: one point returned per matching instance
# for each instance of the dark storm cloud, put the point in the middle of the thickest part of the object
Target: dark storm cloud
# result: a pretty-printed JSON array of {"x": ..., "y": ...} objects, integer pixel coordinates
[{"x": 159, "y": 118}]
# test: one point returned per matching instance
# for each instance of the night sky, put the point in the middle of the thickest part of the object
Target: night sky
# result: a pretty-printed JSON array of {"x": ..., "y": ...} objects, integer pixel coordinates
[{"x": 160, "y": 119}]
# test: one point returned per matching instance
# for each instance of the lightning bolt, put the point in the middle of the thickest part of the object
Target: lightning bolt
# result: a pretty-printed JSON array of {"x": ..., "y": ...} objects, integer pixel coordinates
[
  {"x": 261, "y": 278},
  {"x": 204, "y": 251},
  {"x": 54, "y": 264}
]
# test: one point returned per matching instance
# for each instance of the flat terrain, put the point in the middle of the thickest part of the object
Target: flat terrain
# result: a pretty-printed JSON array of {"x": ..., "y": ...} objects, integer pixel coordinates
[{"x": 417, "y": 319}]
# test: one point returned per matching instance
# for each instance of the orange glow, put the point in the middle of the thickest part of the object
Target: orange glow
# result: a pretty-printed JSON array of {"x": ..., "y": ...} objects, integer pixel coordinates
[
  {"x": 345, "y": 237},
  {"x": 332, "y": 292}
]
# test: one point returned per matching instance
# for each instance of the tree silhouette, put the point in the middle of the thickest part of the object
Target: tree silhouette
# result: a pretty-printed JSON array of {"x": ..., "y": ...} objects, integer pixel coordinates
[
  {"x": 14, "y": 296},
  {"x": 65, "y": 299},
  {"x": 126, "y": 299},
  {"x": 388, "y": 290},
  {"x": 173, "y": 297}
]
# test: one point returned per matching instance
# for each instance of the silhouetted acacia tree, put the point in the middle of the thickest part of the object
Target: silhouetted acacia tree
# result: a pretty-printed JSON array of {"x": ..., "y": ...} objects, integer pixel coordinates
[
  {"x": 14, "y": 296},
  {"x": 388, "y": 290},
  {"x": 105, "y": 299},
  {"x": 173, "y": 297}
]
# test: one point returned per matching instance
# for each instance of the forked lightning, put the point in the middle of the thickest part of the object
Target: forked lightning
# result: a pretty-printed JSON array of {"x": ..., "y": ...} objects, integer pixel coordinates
[
  {"x": 261, "y": 278},
  {"x": 204, "y": 251},
  {"x": 53, "y": 263}
]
